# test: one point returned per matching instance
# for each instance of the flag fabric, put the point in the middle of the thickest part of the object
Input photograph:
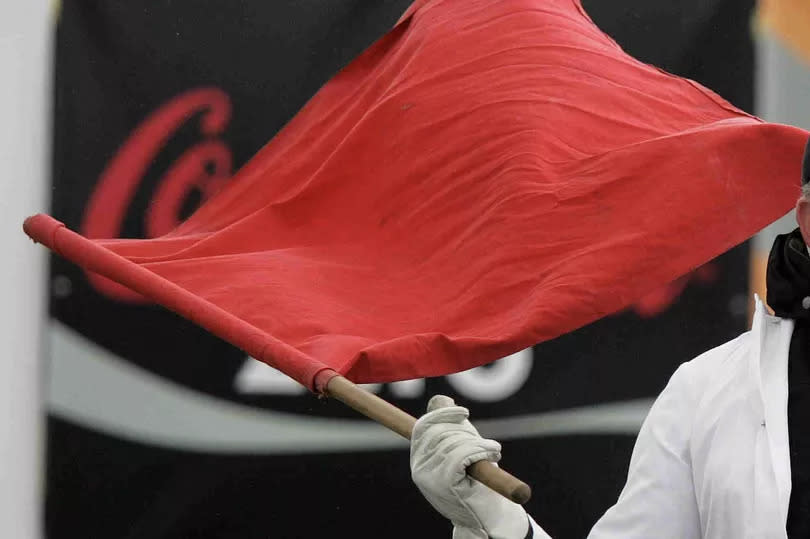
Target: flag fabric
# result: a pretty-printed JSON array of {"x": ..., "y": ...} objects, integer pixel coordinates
[{"x": 489, "y": 175}]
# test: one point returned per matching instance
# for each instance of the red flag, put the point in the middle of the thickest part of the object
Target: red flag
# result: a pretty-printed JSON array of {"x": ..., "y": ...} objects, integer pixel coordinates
[{"x": 489, "y": 175}]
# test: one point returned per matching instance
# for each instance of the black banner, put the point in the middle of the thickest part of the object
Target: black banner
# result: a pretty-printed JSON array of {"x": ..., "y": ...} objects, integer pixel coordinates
[{"x": 158, "y": 430}]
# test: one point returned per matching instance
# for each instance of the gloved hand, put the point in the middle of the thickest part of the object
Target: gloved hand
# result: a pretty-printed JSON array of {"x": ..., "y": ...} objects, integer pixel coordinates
[{"x": 443, "y": 444}]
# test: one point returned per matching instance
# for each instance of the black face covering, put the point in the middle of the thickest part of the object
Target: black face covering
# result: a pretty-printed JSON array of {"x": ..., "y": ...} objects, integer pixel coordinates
[{"x": 788, "y": 277}]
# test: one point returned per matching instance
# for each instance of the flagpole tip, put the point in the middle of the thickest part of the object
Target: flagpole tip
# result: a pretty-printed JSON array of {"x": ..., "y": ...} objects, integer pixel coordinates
[
  {"x": 521, "y": 494},
  {"x": 41, "y": 228}
]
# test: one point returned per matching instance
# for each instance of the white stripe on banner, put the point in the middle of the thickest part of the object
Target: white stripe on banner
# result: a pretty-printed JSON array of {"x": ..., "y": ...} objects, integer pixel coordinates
[{"x": 91, "y": 387}]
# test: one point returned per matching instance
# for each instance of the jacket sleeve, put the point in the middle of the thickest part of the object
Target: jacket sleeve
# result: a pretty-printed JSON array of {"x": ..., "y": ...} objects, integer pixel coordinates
[{"x": 658, "y": 499}]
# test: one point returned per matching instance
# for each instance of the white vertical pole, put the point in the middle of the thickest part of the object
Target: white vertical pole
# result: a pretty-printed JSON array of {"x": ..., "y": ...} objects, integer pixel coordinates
[{"x": 25, "y": 74}]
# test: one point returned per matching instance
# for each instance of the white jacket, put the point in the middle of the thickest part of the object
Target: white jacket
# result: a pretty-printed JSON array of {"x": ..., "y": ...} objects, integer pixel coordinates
[{"x": 711, "y": 460}]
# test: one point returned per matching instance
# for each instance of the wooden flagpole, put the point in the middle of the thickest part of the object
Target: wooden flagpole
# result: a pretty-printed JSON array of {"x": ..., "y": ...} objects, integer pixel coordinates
[
  {"x": 402, "y": 423},
  {"x": 50, "y": 232}
]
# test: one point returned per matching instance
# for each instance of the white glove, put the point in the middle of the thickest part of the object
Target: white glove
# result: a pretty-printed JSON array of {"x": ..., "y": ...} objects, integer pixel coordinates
[{"x": 443, "y": 444}]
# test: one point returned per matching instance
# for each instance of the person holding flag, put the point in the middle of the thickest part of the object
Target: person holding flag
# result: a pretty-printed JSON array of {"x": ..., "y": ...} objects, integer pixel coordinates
[
  {"x": 439, "y": 204},
  {"x": 724, "y": 450}
]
